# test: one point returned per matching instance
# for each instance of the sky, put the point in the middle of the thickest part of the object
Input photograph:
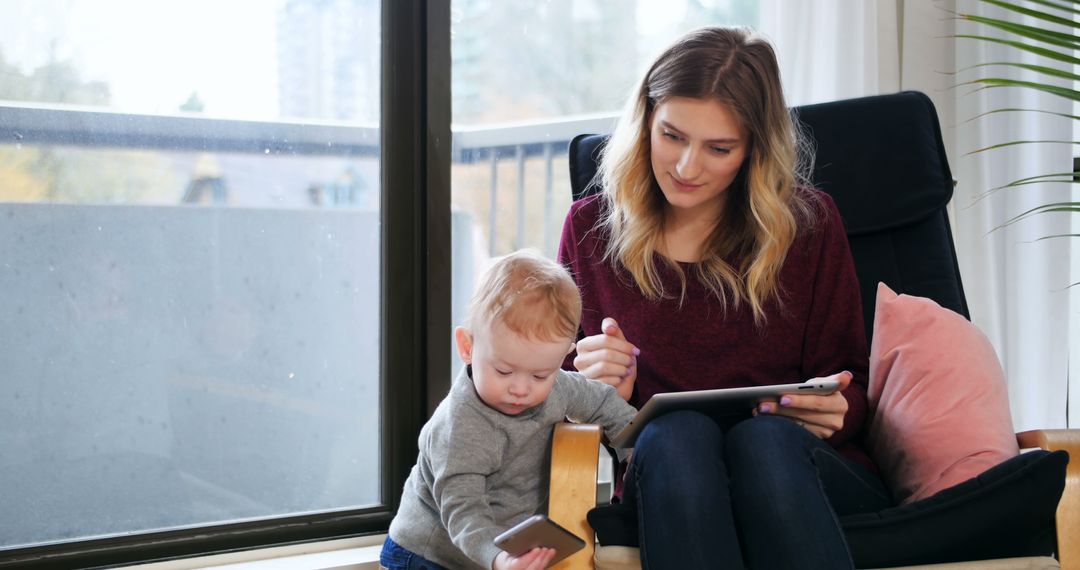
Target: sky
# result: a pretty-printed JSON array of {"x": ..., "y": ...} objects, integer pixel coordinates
[
  {"x": 659, "y": 17},
  {"x": 155, "y": 54}
]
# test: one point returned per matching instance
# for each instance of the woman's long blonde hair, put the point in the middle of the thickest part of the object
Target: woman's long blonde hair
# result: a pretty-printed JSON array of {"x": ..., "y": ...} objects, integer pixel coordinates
[{"x": 765, "y": 204}]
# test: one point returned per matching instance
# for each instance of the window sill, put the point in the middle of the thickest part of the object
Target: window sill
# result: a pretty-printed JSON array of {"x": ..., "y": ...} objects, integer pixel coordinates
[{"x": 351, "y": 553}]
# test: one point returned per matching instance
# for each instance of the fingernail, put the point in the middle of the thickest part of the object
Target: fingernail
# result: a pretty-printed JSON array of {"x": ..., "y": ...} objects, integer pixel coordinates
[
  {"x": 785, "y": 401},
  {"x": 637, "y": 351},
  {"x": 765, "y": 410}
]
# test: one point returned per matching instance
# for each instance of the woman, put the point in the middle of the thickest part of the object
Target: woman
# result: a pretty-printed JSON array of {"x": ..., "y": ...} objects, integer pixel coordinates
[{"x": 724, "y": 269}]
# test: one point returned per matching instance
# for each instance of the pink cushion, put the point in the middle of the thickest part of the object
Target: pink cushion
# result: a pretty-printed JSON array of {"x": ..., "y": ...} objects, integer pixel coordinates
[{"x": 939, "y": 407}]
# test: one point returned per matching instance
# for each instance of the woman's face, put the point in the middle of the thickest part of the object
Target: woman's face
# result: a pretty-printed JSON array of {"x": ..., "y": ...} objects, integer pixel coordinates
[{"x": 697, "y": 149}]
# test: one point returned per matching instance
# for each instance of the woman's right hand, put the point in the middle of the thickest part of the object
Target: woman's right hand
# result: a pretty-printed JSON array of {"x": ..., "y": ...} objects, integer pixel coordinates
[
  {"x": 535, "y": 559},
  {"x": 609, "y": 358}
]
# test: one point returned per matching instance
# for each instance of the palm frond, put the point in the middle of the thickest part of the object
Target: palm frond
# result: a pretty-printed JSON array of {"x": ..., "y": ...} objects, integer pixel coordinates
[
  {"x": 1033, "y": 13},
  {"x": 1055, "y": 6},
  {"x": 1058, "y": 236},
  {"x": 1070, "y": 177},
  {"x": 1030, "y": 32},
  {"x": 1014, "y": 143},
  {"x": 1040, "y": 69},
  {"x": 1051, "y": 54},
  {"x": 992, "y": 82},
  {"x": 1018, "y": 110},
  {"x": 1044, "y": 209},
  {"x": 1058, "y": 178}
]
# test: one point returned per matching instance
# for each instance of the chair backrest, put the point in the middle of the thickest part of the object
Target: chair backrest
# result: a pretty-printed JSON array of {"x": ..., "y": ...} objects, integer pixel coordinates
[{"x": 882, "y": 160}]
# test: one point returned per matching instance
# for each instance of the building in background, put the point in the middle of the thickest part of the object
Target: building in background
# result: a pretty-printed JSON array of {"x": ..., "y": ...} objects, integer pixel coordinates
[{"x": 328, "y": 59}]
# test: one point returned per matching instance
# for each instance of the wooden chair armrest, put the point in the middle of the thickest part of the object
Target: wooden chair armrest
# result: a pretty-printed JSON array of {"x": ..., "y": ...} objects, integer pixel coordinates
[
  {"x": 572, "y": 490},
  {"x": 1068, "y": 512}
]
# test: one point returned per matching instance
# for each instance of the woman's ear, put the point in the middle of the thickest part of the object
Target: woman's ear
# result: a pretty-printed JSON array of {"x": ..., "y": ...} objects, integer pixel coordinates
[{"x": 464, "y": 341}]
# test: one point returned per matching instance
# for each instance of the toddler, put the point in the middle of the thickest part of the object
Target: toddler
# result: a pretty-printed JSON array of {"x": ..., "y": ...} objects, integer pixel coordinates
[{"x": 482, "y": 466}]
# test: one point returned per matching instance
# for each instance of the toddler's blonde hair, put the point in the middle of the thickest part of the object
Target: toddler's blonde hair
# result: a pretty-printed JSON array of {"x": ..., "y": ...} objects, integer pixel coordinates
[{"x": 531, "y": 295}]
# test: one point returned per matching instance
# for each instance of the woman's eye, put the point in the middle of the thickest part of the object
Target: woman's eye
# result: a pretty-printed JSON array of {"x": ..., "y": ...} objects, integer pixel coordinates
[
  {"x": 721, "y": 150},
  {"x": 671, "y": 136}
]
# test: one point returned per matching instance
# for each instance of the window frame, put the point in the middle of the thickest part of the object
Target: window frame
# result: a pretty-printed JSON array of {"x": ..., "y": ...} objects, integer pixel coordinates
[{"x": 415, "y": 305}]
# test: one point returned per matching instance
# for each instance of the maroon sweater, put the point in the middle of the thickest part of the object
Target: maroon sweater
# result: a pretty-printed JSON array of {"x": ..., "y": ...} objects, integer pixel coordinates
[{"x": 817, "y": 332}]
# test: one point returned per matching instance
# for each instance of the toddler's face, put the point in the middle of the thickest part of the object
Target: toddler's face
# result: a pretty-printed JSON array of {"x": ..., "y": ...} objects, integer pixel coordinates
[{"x": 511, "y": 373}]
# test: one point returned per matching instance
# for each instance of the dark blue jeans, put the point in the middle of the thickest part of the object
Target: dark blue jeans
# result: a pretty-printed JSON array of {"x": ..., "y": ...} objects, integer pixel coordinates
[
  {"x": 397, "y": 557},
  {"x": 761, "y": 493}
]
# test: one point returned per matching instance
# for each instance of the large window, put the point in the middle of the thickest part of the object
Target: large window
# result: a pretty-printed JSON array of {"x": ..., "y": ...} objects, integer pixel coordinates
[{"x": 193, "y": 266}]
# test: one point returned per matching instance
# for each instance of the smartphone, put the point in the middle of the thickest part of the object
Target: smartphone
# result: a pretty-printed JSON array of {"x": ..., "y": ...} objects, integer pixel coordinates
[{"x": 539, "y": 531}]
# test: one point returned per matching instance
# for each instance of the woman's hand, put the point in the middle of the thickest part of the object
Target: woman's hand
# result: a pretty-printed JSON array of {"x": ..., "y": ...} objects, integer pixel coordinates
[
  {"x": 535, "y": 559},
  {"x": 609, "y": 358},
  {"x": 820, "y": 415}
]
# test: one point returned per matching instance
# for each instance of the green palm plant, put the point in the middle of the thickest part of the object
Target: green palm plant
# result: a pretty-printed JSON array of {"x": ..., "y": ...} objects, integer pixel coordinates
[{"x": 1060, "y": 48}]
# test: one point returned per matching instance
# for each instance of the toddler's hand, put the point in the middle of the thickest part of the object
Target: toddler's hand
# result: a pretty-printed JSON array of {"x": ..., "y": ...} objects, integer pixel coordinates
[{"x": 535, "y": 559}]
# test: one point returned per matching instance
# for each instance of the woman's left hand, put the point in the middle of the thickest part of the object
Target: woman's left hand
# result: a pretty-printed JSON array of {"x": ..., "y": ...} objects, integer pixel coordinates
[{"x": 820, "y": 415}]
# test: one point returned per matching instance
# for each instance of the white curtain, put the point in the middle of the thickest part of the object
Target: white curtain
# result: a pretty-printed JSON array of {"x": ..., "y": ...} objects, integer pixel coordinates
[
  {"x": 833, "y": 49},
  {"x": 1016, "y": 285}
]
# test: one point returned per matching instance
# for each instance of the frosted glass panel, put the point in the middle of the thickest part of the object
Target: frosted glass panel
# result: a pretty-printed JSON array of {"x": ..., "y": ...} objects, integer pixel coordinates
[{"x": 163, "y": 367}]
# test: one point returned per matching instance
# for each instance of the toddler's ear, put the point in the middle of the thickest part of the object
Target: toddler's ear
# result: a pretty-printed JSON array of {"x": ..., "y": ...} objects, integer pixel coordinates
[
  {"x": 573, "y": 345},
  {"x": 464, "y": 344}
]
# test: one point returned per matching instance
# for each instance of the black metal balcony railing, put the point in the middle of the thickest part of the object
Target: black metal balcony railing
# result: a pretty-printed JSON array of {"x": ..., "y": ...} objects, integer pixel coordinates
[
  {"x": 521, "y": 141},
  {"x": 95, "y": 128}
]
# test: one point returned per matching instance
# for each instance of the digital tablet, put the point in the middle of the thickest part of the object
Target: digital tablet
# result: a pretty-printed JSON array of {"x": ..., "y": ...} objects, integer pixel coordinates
[
  {"x": 715, "y": 402},
  {"x": 539, "y": 531}
]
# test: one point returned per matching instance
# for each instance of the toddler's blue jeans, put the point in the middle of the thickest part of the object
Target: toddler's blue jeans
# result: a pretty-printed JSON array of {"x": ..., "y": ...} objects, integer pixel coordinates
[{"x": 397, "y": 557}]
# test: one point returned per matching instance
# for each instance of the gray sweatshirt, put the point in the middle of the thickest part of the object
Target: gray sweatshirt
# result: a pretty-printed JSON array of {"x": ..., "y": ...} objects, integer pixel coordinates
[{"x": 480, "y": 471}]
